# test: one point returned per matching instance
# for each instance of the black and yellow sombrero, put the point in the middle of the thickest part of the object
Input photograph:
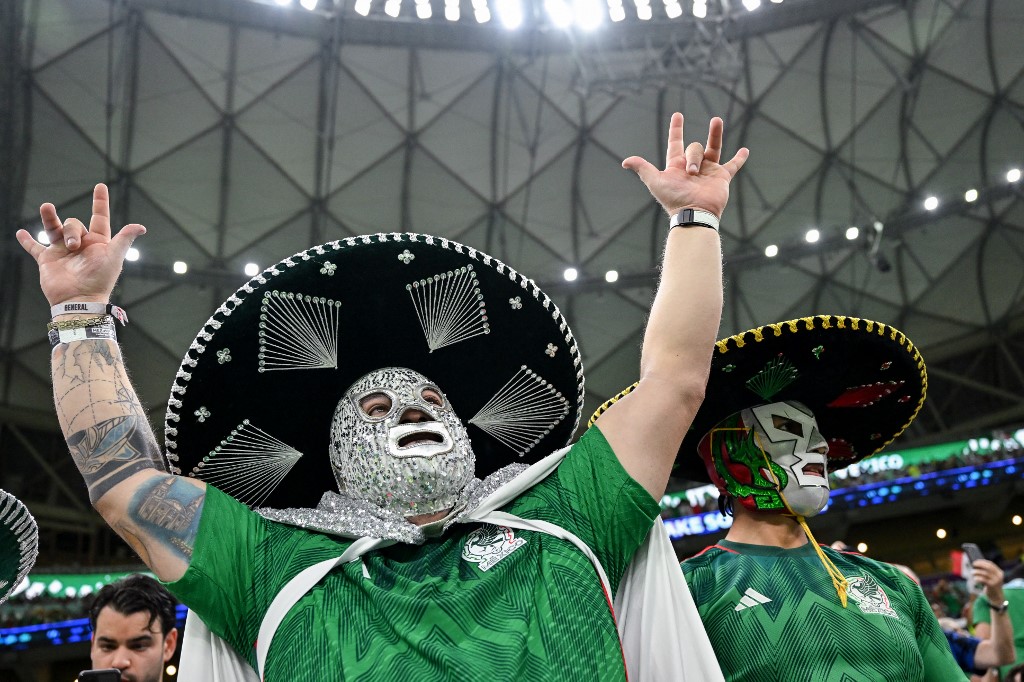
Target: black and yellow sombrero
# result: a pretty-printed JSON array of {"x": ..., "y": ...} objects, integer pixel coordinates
[
  {"x": 864, "y": 381},
  {"x": 251, "y": 406}
]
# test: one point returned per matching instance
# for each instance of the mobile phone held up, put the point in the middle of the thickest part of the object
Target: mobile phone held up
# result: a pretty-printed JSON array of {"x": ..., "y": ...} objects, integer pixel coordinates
[
  {"x": 971, "y": 553},
  {"x": 104, "y": 675}
]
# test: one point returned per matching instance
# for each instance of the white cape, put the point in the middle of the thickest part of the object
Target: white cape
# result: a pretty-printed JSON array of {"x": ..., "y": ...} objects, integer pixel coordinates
[{"x": 661, "y": 632}]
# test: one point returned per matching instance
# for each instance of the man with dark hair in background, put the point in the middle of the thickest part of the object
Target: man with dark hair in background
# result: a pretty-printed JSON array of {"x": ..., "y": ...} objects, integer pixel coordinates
[{"x": 133, "y": 628}]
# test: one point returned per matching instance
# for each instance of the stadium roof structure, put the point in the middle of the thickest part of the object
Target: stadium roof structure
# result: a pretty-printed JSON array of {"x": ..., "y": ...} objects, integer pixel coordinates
[{"x": 241, "y": 132}]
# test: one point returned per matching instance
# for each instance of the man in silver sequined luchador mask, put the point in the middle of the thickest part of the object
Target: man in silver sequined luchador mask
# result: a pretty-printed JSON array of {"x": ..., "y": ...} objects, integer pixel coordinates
[{"x": 397, "y": 444}]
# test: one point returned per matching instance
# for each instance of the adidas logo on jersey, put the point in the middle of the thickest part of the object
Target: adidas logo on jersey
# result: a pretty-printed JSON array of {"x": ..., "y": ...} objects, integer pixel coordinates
[{"x": 750, "y": 599}]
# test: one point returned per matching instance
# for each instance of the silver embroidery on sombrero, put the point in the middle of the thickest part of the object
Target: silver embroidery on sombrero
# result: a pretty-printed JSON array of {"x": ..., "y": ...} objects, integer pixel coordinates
[
  {"x": 15, "y": 517},
  {"x": 450, "y": 307},
  {"x": 339, "y": 514},
  {"x": 298, "y": 331},
  {"x": 523, "y": 411},
  {"x": 248, "y": 464}
]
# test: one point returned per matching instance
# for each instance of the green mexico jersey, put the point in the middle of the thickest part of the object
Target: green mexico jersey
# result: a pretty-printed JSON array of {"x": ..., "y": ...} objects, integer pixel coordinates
[
  {"x": 772, "y": 614},
  {"x": 480, "y": 603},
  {"x": 1014, "y": 591}
]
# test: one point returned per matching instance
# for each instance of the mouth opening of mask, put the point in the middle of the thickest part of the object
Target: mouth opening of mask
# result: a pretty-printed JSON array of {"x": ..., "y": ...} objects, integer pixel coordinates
[
  {"x": 419, "y": 438},
  {"x": 814, "y": 470}
]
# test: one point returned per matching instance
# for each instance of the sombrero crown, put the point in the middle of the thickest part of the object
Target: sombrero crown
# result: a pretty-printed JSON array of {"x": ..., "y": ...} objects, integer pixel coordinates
[
  {"x": 865, "y": 382},
  {"x": 251, "y": 406},
  {"x": 19, "y": 543}
]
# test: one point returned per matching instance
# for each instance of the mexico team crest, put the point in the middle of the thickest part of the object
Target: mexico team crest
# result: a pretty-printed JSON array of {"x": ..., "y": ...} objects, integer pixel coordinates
[
  {"x": 488, "y": 545},
  {"x": 870, "y": 596}
]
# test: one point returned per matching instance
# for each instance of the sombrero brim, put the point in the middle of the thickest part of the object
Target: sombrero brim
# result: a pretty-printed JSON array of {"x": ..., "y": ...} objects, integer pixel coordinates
[
  {"x": 251, "y": 408},
  {"x": 864, "y": 381},
  {"x": 19, "y": 543}
]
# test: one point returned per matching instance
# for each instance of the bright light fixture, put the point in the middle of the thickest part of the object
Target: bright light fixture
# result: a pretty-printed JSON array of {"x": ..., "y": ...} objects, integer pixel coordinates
[
  {"x": 392, "y": 8},
  {"x": 308, "y": 4},
  {"x": 42, "y": 238},
  {"x": 284, "y": 3},
  {"x": 589, "y": 14},
  {"x": 1016, "y": 520},
  {"x": 570, "y": 274},
  {"x": 132, "y": 254},
  {"x": 751, "y": 5},
  {"x": 510, "y": 13},
  {"x": 482, "y": 15},
  {"x": 971, "y": 195},
  {"x": 1013, "y": 175},
  {"x": 941, "y": 533},
  {"x": 674, "y": 10},
  {"x": 451, "y": 11},
  {"x": 423, "y": 10},
  {"x": 771, "y": 251},
  {"x": 559, "y": 12},
  {"x": 611, "y": 276},
  {"x": 644, "y": 12},
  {"x": 812, "y": 236},
  {"x": 852, "y": 233},
  {"x": 931, "y": 203},
  {"x": 180, "y": 267},
  {"x": 362, "y": 7},
  {"x": 251, "y": 269},
  {"x": 172, "y": 670},
  {"x": 862, "y": 547},
  {"x": 616, "y": 13},
  {"x": 700, "y": 9}
]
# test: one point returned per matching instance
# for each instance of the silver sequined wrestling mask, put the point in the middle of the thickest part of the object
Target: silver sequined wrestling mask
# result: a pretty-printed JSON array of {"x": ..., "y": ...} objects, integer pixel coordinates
[{"x": 397, "y": 443}]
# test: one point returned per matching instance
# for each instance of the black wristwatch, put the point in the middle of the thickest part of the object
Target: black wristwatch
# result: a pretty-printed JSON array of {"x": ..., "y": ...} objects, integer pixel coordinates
[
  {"x": 1001, "y": 608},
  {"x": 689, "y": 217}
]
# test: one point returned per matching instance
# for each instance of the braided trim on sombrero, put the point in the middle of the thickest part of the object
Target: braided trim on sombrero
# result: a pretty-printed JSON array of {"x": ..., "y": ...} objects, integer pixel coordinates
[{"x": 213, "y": 324}]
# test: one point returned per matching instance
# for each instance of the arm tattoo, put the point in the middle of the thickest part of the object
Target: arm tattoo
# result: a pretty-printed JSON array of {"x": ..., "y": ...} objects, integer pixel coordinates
[
  {"x": 111, "y": 451},
  {"x": 166, "y": 510}
]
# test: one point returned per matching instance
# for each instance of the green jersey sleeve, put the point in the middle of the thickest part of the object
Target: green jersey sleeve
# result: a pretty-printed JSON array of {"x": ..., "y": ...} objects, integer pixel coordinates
[
  {"x": 592, "y": 496},
  {"x": 239, "y": 563},
  {"x": 982, "y": 613}
]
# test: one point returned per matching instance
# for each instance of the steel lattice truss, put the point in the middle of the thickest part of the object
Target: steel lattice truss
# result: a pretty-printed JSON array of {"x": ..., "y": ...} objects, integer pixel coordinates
[{"x": 238, "y": 133}]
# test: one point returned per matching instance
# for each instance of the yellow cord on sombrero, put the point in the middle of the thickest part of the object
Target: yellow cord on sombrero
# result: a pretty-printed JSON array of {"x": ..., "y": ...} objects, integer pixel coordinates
[{"x": 839, "y": 581}]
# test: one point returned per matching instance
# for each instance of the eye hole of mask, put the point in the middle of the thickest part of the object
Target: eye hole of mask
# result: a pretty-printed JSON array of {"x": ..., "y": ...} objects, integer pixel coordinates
[
  {"x": 788, "y": 425},
  {"x": 375, "y": 405},
  {"x": 432, "y": 396}
]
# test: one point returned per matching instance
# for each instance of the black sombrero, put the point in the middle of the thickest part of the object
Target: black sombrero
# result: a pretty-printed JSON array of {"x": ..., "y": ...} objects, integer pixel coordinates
[
  {"x": 19, "y": 543},
  {"x": 864, "y": 381},
  {"x": 250, "y": 409}
]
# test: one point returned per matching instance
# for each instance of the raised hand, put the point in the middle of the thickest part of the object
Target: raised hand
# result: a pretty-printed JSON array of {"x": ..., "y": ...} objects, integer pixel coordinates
[
  {"x": 80, "y": 264},
  {"x": 693, "y": 177}
]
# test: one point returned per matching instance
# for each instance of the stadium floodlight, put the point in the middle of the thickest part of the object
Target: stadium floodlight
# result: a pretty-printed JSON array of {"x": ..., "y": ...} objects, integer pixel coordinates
[
  {"x": 362, "y": 7},
  {"x": 673, "y": 9},
  {"x": 180, "y": 267},
  {"x": 1013, "y": 175},
  {"x": 931, "y": 203},
  {"x": 133, "y": 254},
  {"x": 700, "y": 9},
  {"x": 451, "y": 10},
  {"x": 42, "y": 238},
  {"x": 423, "y": 9},
  {"x": 771, "y": 251},
  {"x": 970, "y": 196},
  {"x": 251, "y": 269},
  {"x": 392, "y": 8},
  {"x": 589, "y": 14},
  {"x": 510, "y": 13},
  {"x": 611, "y": 276},
  {"x": 852, "y": 232},
  {"x": 751, "y": 5},
  {"x": 559, "y": 12},
  {"x": 644, "y": 12},
  {"x": 482, "y": 15},
  {"x": 570, "y": 274},
  {"x": 308, "y": 4},
  {"x": 283, "y": 3},
  {"x": 812, "y": 236},
  {"x": 617, "y": 13}
]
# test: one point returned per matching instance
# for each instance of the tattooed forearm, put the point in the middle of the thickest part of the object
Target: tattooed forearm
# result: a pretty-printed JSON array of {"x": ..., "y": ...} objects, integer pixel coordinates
[
  {"x": 166, "y": 511},
  {"x": 111, "y": 451}
]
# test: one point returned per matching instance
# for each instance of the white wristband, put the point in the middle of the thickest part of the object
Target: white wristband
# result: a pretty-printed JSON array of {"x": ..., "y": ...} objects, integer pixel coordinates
[
  {"x": 105, "y": 331},
  {"x": 91, "y": 308}
]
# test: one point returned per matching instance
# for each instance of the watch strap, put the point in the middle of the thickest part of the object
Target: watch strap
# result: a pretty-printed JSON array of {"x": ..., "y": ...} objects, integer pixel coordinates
[
  {"x": 1002, "y": 608},
  {"x": 689, "y": 217}
]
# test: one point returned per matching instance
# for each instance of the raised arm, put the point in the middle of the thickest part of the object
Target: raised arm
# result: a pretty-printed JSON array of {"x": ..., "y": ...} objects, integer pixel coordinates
[
  {"x": 646, "y": 427},
  {"x": 105, "y": 426},
  {"x": 996, "y": 647}
]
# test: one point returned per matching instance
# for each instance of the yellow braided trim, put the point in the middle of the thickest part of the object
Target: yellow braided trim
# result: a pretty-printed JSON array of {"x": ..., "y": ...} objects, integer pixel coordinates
[{"x": 611, "y": 401}]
